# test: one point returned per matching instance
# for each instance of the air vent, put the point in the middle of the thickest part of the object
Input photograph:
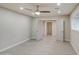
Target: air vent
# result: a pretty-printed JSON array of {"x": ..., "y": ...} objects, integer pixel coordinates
[{"x": 45, "y": 11}]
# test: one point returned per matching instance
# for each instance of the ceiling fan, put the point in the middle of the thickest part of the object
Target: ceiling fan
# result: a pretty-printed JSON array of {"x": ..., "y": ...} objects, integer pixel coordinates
[{"x": 37, "y": 11}]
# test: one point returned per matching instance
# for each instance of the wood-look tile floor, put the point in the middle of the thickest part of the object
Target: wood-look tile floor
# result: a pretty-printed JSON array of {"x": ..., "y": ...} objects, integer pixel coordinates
[{"x": 47, "y": 46}]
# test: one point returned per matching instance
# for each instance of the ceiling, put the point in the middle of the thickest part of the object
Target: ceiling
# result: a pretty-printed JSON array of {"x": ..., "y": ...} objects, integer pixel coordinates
[{"x": 66, "y": 8}]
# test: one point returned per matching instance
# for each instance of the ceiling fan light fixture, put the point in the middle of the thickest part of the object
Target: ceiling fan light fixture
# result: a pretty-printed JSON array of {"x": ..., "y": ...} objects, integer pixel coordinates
[{"x": 37, "y": 13}]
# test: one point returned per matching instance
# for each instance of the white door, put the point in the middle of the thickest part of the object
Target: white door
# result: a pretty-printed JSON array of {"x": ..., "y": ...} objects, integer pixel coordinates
[{"x": 60, "y": 30}]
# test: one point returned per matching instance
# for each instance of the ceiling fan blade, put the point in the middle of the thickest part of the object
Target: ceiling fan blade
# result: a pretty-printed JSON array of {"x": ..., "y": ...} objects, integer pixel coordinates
[{"x": 28, "y": 9}]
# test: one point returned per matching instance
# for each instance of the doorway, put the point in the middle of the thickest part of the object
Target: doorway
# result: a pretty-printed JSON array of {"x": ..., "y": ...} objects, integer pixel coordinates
[{"x": 49, "y": 28}]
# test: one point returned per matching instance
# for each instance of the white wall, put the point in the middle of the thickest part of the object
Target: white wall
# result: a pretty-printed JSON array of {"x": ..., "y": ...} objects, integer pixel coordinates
[
  {"x": 67, "y": 28},
  {"x": 36, "y": 24},
  {"x": 59, "y": 29},
  {"x": 13, "y": 28},
  {"x": 63, "y": 28},
  {"x": 34, "y": 29},
  {"x": 75, "y": 29}
]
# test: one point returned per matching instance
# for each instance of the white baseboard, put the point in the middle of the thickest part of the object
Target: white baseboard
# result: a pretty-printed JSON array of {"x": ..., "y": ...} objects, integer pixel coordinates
[
  {"x": 4, "y": 49},
  {"x": 74, "y": 48}
]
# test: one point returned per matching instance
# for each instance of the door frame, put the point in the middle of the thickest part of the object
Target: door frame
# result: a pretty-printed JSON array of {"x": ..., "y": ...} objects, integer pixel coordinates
[{"x": 46, "y": 26}]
